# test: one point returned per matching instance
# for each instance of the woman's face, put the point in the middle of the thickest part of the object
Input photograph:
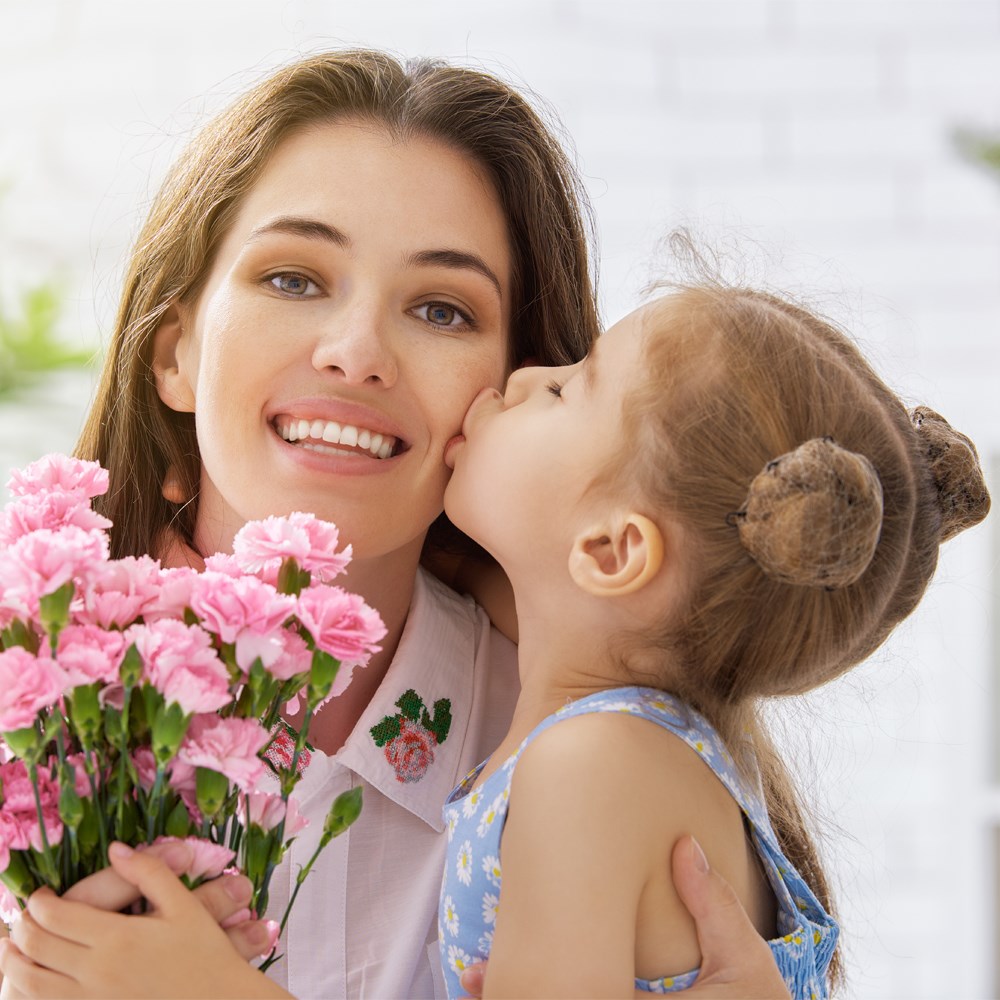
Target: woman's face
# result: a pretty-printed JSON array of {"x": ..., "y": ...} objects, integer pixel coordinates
[{"x": 357, "y": 305}]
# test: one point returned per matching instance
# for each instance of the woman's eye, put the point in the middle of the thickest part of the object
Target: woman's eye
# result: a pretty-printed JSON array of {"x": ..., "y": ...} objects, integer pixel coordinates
[
  {"x": 443, "y": 314},
  {"x": 290, "y": 283},
  {"x": 555, "y": 388}
]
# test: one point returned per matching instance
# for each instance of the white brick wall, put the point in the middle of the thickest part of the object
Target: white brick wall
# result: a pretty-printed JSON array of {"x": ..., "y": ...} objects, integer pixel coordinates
[{"x": 818, "y": 129}]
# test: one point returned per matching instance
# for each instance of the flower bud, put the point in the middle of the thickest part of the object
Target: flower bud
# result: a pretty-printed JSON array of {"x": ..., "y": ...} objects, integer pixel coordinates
[
  {"x": 169, "y": 728},
  {"x": 85, "y": 713},
  {"x": 211, "y": 788},
  {"x": 345, "y": 810},
  {"x": 321, "y": 676}
]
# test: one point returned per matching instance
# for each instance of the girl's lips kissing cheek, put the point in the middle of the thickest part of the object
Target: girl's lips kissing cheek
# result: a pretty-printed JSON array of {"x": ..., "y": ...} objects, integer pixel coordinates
[{"x": 331, "y": 437}]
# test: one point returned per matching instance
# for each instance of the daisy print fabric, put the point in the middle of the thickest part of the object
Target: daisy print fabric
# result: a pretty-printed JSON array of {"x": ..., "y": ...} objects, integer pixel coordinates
[{"x": 474, "y": 818}]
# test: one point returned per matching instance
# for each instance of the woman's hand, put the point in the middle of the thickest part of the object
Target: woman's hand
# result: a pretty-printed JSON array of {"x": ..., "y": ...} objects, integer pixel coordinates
[
  {"x": 736, "y": 963},
  {"x": 64, "y": 947}
]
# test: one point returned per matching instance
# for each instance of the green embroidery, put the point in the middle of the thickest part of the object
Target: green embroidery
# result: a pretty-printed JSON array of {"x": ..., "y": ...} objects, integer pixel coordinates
[{"x": 411, "y": 707}]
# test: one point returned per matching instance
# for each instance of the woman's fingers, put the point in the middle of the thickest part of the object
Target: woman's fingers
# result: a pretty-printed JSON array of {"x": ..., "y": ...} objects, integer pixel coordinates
[
  {"x": 152, "y": 877},
  {"x": 225, "y": 897},
  {"x": 107, "y": 890},
  {"x": 43, "y": 946},
  {"x": 736, "y": 961},
  {"x": 253, "y": 938},
  {"x": 22, "y": 977}
]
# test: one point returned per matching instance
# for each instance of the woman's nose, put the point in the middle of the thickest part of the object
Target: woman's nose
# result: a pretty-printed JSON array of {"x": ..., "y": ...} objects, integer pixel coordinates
[{"x": 356, "y": 344}]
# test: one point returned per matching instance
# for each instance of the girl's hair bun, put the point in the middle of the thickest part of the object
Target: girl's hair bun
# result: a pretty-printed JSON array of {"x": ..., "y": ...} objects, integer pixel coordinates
[
  {"x": 813, "y": 516},
  {"x": 954, "y": 466}
]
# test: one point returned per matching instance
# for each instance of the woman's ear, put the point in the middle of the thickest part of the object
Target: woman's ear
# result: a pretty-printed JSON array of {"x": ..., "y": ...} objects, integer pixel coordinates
[
  {"x": 617, "y": 560},
  {"x": 173, "y": 382}
]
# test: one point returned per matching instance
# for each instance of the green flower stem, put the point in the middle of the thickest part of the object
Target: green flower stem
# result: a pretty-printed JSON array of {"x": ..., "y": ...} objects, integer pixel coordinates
[
  {"x": 154, "y": 796},
  {"x": 122, "y": 755},
  {"x": 102, "y": 833},
  {"x": 52, "y": 871}
]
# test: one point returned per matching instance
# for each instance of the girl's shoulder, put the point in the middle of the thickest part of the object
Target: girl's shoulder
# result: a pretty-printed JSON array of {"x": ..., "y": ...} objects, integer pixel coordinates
[{"x": 642, "y": 739}]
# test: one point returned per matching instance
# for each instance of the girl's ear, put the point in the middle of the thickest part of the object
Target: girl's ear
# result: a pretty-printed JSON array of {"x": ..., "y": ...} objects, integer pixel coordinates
[
  {"x": 611, "y": 562},
  {"x": 173, "y": 383}
]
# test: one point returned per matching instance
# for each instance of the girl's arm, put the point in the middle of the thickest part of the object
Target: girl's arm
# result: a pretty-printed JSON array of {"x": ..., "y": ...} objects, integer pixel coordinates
[
  {"x": 578, "y": 851},
  {"x": 63, "y": 948}
]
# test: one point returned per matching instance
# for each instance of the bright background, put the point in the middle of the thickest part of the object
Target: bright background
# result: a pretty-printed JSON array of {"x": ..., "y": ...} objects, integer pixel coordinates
[{"x": 813, "y": 138}]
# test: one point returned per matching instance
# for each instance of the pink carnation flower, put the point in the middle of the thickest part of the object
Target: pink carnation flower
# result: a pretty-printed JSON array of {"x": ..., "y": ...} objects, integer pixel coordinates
[
  {"x": 209, "y": 861},
  {"x": 295, "y": 657},
  {"x": 223, "y": 562},
  {"x": 40, "y": 563},
  {"x": 260, "y": 546},
  {"x": 89, "y": 654},
  {"x": 182, "y": 664},
  {"x": 10, "y": 910},
  {"x": 267, "y": 810},
  {"x": 19, "y": 826},
  {"x": 144, "y": 762},
  {"x": 229, "y": 746},
  {"x": 81, "y": 780},
  {"x": 232, "y": 606},
  {"x": 29, "y": 684},
  {"x": 340, "y": 623},
  {"x": 59, "y": 472},
  {"x": 120, "y": 591},
  {"x": 48, "y": 510},
  {"x": 173, "y": 595}
]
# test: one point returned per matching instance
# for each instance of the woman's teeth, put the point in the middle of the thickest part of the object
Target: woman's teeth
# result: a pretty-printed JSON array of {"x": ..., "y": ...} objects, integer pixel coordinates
[{"x": 317, "y": 434}]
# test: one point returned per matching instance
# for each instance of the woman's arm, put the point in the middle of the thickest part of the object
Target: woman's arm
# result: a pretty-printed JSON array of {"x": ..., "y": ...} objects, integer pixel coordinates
[{"x": 483, "y": 579}]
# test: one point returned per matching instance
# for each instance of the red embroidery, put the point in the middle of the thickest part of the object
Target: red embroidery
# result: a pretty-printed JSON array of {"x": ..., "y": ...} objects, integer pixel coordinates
[
  {"x": 411, "y": 752},
  {"x": 282, "y": 750}
]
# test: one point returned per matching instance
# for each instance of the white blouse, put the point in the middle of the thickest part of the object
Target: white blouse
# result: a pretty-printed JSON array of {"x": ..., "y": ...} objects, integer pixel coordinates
[{"x": 365, "y": 921}]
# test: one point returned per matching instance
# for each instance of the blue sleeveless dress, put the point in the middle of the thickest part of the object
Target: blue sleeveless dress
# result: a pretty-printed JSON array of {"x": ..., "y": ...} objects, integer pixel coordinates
[{"x": 470, "y": 889}]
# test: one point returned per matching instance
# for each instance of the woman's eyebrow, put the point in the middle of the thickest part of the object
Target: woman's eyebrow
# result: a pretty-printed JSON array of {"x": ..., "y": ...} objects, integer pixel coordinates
[
  {"x": 460, "y": 259},
  {"x": 295, "y": 225}
]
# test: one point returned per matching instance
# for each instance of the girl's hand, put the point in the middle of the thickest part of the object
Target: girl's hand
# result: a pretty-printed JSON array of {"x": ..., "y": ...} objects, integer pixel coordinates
[{"x": 64, "y": 948}]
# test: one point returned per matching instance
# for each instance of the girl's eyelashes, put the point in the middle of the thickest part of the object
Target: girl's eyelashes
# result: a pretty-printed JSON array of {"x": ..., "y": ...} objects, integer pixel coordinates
[
  {"x": 292, "y": 284},
  {"x": 555, "y": 388},
  {"x": 444, "y": 315}
]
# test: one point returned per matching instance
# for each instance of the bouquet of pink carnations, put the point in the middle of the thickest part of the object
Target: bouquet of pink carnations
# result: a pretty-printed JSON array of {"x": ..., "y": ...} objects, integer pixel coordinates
[{"x": 139, "y": 703}]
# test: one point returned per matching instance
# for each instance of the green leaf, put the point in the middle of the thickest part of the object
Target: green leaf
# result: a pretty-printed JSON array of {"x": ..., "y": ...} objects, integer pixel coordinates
[
  {"x": 386, "y": 730},
  {"x": 411, "y": 705}
]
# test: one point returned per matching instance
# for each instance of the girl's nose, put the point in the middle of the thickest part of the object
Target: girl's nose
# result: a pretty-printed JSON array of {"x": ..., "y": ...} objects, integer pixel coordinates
[
  {"x": 520, "y": 383},
  {"x": 356, "y": 344}
]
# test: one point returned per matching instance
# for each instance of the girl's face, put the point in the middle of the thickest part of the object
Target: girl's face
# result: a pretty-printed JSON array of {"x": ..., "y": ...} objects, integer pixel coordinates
[
  {"x": 358, "y": 304},
  {"x": 526, "y": 461}
]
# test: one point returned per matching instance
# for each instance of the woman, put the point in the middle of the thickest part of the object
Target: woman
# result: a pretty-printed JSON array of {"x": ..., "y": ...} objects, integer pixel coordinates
[{"x": 331, "y": 272}]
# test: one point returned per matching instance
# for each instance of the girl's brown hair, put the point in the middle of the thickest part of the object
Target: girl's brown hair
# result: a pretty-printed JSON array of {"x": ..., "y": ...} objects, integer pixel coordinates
[
  {"x": 554, "y": 317},
  {"x": 737, "y": 378}
]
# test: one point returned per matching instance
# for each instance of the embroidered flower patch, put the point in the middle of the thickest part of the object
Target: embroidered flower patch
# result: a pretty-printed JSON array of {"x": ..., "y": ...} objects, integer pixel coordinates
[
  {"x": 409, "y": 736},
  {"x": 282, "y": 749}
]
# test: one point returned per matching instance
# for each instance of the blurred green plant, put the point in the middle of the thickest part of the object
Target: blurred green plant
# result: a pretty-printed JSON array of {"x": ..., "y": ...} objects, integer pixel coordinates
[
  {"x": 981, "y": 148},
  {"x": 29, "y": 347}
]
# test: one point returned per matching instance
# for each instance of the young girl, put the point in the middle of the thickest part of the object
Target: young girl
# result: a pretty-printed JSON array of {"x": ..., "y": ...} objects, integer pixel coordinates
[{"x": 721, "y": 503}]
